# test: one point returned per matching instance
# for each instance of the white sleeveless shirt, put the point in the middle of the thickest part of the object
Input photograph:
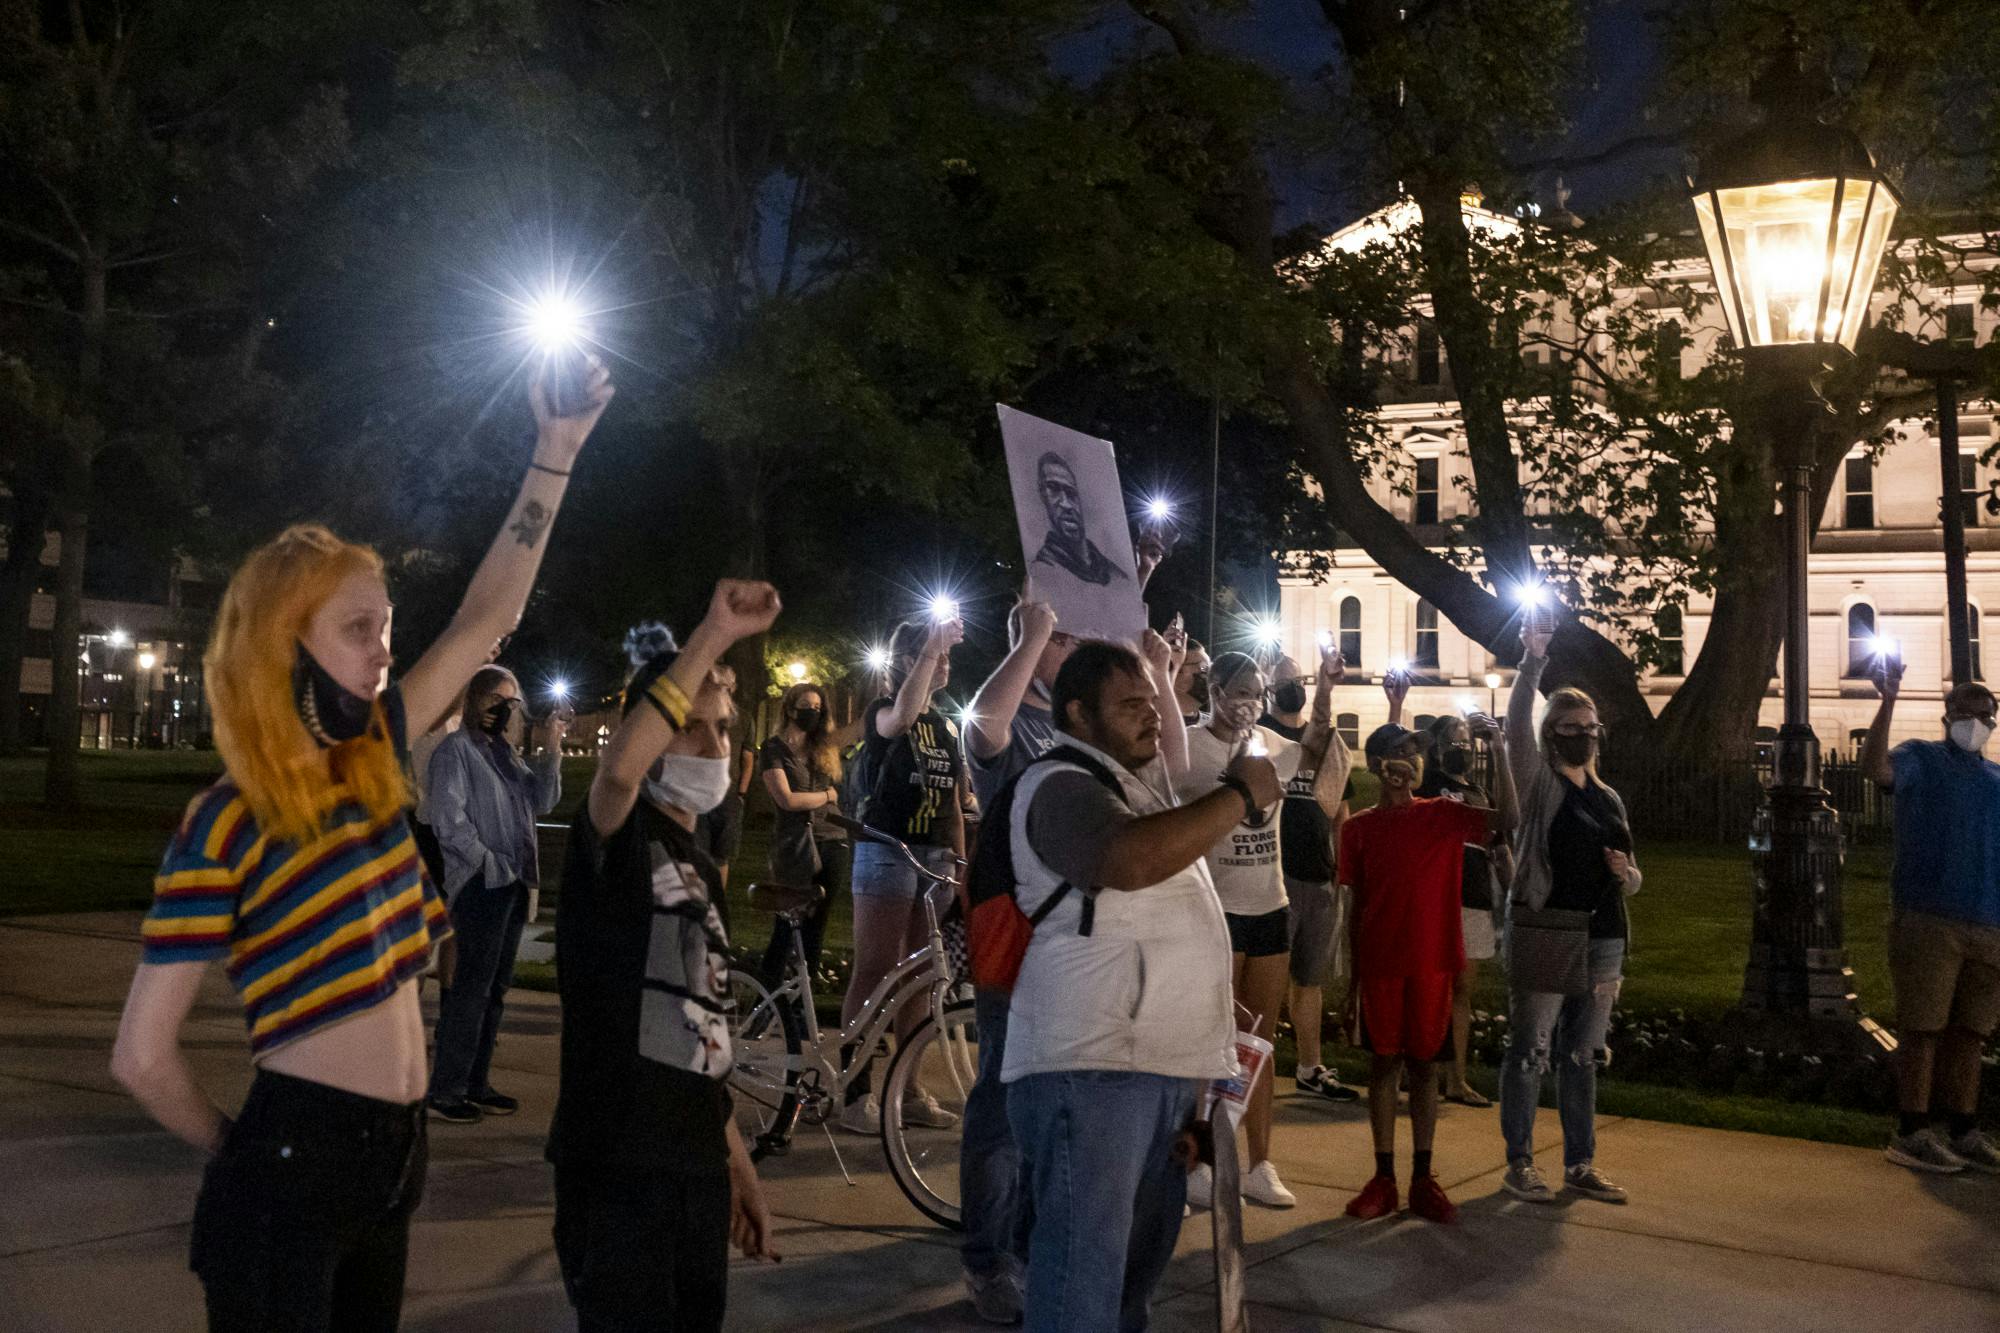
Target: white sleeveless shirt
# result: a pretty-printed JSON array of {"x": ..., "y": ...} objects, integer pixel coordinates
[{"x": 1147, "y": 990}]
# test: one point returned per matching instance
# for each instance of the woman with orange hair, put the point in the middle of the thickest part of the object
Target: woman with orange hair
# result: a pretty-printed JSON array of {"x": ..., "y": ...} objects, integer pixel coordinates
[{"x": 299, "y": 871}]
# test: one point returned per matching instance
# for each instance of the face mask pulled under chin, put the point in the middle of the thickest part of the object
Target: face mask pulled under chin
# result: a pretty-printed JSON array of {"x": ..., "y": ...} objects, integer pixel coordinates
[
  {"x": 689, "y": 782},
  {"x": 1970, "y": 734},
  {"x": 331, "y": 713}
]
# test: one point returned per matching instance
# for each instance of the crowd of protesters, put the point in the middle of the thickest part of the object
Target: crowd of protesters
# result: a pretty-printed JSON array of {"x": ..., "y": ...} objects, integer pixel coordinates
[{"x": 1179, "y": 831}]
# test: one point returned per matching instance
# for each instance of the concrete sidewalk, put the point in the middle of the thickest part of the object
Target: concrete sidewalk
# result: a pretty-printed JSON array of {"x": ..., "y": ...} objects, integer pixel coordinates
[{"x": 1725, "y": 1231}]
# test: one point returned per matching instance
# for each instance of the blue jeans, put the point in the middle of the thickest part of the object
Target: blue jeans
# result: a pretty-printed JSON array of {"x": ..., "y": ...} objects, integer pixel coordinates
[
  {"x": 1108, "y": 1193},
  {"x": 992, "y": 1191},
  {"x": 1542, "y": 1027},
  {"x": 488, "y": 924}
]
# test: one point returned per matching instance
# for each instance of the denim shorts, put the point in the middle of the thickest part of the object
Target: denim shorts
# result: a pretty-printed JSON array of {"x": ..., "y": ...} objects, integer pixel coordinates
[{"x": 881, "y": 872}]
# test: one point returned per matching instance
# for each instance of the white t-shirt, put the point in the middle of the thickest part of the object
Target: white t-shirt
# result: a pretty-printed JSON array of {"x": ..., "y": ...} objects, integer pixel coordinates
[{"x": 1249, "y": 875}]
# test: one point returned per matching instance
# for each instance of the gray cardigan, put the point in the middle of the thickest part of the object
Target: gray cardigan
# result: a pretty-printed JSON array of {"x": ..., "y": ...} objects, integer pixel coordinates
[{"x": 1540, "y": 790}]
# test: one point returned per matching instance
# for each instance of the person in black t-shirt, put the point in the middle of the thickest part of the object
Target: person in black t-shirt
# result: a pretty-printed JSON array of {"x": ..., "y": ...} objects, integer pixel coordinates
[
  {"x": 1307, "y": 835},
  {"x": 653, "y": 1180},
  {"x": 1447, "y": 772},
  {"x": 917, "y": 793}
]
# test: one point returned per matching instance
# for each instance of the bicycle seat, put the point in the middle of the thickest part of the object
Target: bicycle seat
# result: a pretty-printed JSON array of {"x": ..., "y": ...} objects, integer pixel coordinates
[{"x": 781, "y": 898}]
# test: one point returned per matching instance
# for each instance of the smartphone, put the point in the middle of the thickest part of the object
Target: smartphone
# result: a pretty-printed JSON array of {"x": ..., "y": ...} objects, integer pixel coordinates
[
  {"x": 566, "y": 381},
  {"x": 1542, "y": 619}
]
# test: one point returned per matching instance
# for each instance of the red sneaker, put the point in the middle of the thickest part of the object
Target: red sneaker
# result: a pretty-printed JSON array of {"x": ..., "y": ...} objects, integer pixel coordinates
[
  {"x": 1427, "y": 1201},
  {"x": 1377, "y": 1199}
]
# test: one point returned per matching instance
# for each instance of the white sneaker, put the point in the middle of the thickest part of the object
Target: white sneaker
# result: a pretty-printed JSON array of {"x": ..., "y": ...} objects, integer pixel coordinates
[
  {"x": 1263, "y": 1186},
  {"x": 863, "y": 1116},
  {"x": 922, "y": 1109},
  {"x": 1201, "y": 1186}
]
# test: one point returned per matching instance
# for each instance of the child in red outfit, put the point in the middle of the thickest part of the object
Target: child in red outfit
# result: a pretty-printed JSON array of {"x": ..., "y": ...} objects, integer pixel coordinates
[{"x": 1404, "y": 859}]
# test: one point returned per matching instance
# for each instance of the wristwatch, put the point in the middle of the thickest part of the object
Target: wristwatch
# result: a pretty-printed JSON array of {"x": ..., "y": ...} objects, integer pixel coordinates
[{"x": 1250, "y": 807}]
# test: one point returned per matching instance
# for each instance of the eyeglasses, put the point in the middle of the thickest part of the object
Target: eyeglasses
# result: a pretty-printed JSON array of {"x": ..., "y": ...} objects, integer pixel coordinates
[{"x": 1595, "y": 731}]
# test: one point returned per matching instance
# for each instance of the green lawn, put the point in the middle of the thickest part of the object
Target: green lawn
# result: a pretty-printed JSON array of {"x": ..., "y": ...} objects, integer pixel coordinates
[{"x": 1690, "y": 925}]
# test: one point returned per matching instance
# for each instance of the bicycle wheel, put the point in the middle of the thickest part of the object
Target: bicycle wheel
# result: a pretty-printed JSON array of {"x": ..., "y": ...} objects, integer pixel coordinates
[
  {"x": 766, "y": 1040},
  {"x": 923, "y": 1158}
]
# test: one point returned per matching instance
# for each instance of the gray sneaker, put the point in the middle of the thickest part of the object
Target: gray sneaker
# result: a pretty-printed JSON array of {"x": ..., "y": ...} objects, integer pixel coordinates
[
  {"x": 1924, "y": 1150},
  {"x": 1587, "y": 1181},
  {"x": 1977, "y": 1151},
  {"x": 997, "y": 1297},
  {"x": 1523, "y": 1181}
]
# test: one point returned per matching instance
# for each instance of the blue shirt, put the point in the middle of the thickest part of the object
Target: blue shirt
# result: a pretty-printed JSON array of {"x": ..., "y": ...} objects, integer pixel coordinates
[
  {"x": 482, "y": 801},
  {"x": 1947, "y": 832},
  {"x": 1031, "y": 735}
]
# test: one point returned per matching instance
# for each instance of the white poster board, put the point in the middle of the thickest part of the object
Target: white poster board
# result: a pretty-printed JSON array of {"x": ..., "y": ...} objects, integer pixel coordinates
[{"x": 1074, "y": 532}]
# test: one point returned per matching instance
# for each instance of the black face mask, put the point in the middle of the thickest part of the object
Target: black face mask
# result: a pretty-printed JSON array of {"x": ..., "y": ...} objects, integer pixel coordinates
[
  {"x": 498, "y": 714},
  {"x": 1455, "y": 762},
  {"x": 331, "y": 713},
  {"x": 1198, "y": 689},
  {"x": 808, "y": 719},
  {"x": 1576, "y": 751},
  {"x": 1289, "y": 697}
]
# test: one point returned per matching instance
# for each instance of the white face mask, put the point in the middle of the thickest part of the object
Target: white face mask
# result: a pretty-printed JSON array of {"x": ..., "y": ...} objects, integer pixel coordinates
[
  {"x": 689, "y": 782},
  {"x": 1970, "y": 734}
]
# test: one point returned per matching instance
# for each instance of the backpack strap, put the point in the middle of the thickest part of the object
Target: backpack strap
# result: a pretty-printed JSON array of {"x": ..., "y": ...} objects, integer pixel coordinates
[{"x": 1069, "y": 754}]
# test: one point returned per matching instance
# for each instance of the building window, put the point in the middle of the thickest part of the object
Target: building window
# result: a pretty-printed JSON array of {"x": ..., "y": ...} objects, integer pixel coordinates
[
  {"x": 1422, "y": 721},
  {"x": 1425, "y": 510},
  {"x": 1860, "y": 512},
  {"x": 1350, "y": 631},
  {"x": 1860, "y": 641},
  {"x": 1426, "y": 654},
  {"x": 1958, "y": 328},
  {"x": 1668, "y": 340},
  {"x": 1430, "y": 354},
  {"x": 1968, "y": 487},
  {"x": 1349, "y": 727},
  {"x": 1972, "y": 626},
  {"x": 1670, "y": 628}
]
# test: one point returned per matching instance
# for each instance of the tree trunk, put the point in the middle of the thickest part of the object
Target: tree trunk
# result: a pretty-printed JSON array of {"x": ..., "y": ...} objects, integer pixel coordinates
[
  {"x": 26, "y": 535},
  {"x": 62, "y": 788}
]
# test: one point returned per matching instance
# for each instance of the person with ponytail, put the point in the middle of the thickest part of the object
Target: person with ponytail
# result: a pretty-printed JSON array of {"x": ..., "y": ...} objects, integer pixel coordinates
[
  {"x": 298, "y": 870},
  {"x": 1573, "y": 854},
  {"x": 652, "y": 1179},
  {"x": 801, "y": 768},
  {"x": 483, "y": 800}
]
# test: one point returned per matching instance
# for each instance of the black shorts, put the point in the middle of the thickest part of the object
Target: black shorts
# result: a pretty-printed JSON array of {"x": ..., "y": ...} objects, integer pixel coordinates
[
  {"x": 1264, "y": 936},
  {"x": 721, "y": 829}
]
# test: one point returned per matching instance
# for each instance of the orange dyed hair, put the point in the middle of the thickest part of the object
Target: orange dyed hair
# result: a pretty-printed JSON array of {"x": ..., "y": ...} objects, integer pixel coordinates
[{"x": 288, "y": 780}]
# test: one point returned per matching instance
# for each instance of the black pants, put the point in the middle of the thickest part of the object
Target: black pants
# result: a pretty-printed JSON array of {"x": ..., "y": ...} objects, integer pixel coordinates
[
  {"x": 643, "y": 1251},
  {"x": 488, "y": 924},
  {"x": 303, "y": 1221},
  {"x": 832, "y": 875}
]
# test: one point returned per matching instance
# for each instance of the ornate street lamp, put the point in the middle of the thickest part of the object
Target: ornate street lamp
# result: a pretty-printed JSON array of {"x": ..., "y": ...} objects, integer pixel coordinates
[{"x": 1795, "y": 217}]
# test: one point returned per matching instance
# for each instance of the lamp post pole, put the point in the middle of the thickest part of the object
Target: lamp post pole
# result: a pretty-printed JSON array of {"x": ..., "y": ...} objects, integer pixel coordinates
[
  {"x": 1798, "y": 957},
  {"x": 1795, "y": 216}
]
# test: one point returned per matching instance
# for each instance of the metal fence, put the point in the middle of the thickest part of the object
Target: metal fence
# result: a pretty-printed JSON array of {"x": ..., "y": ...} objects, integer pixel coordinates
[
  {"x": 1711, "y": 802},
  {"x": 1717, "y": 802}
]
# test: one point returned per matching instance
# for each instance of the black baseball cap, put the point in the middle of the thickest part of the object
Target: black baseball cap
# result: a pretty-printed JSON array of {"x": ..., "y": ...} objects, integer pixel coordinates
[{"x": 1386, "y": 738}]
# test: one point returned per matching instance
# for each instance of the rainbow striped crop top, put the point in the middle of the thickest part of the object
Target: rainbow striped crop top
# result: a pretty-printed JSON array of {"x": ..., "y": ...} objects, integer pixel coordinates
[{"x": 312, "y": 934}]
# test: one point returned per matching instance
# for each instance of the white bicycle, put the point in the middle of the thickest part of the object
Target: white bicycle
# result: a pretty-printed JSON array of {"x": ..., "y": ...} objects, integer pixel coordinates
[{"x": 789, "y": 1069}]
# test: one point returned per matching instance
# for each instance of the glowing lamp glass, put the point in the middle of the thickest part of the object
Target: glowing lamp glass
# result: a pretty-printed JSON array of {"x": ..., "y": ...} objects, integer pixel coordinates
[{"x": 1796, "y": 260}]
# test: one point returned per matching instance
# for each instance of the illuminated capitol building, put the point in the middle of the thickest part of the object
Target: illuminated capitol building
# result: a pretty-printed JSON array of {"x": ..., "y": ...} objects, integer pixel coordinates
[{"x": 1876, "y": 572}]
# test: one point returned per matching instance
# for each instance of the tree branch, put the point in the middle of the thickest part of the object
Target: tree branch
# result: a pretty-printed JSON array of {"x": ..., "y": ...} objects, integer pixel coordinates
[{"x": 47, "y": 242}]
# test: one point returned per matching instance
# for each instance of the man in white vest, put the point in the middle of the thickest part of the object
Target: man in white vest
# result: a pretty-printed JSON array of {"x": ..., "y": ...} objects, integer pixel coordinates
[{"x": 1122, "y": 1011}]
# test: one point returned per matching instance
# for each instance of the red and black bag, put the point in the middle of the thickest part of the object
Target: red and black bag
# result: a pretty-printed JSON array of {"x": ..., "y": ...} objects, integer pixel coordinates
[{"x": 997, "y": 930}]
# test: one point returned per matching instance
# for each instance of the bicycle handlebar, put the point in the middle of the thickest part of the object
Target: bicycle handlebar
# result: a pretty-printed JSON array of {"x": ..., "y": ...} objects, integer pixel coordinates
[{"x": 866, "y": 833}]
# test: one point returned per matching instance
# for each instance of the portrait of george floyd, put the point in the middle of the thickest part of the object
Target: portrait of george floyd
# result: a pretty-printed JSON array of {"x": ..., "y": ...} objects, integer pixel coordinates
[{"x": 1074, "y": 532}]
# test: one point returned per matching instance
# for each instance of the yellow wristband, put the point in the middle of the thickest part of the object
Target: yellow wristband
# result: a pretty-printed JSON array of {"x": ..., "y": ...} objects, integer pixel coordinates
[{"x": 672, "y": 702}]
